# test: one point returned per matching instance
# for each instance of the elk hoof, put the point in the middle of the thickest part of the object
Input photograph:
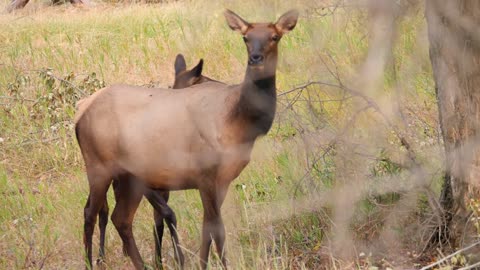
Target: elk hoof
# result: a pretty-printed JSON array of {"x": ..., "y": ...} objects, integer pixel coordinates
[{"x": 101, "y": 263}]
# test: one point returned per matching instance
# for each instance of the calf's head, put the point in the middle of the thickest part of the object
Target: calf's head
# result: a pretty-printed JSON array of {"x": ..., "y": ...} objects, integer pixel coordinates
[{"x": 186, "y": 78}]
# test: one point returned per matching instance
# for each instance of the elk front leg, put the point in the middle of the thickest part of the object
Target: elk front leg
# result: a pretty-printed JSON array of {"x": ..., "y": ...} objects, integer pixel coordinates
[{"x": 213, "y": 227}]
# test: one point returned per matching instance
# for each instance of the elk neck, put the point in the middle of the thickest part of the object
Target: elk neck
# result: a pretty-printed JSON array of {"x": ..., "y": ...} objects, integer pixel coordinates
[{"x": 256, "y": 105}]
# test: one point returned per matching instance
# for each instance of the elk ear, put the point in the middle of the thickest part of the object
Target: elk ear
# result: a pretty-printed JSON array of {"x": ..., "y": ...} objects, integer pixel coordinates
[
  {"x": 180, "y": 64},
  {"x": 197, "y": 70},
  {"x": 287, "y": 21},
  {"x": 235, "y": 22}
]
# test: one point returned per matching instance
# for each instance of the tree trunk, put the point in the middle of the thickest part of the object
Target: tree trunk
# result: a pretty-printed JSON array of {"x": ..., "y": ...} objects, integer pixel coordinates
[{"x": 455, "y": 55}]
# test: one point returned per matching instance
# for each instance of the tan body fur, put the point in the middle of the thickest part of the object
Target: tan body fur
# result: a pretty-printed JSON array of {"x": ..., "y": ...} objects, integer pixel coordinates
[{"x": 157, "y": 117}]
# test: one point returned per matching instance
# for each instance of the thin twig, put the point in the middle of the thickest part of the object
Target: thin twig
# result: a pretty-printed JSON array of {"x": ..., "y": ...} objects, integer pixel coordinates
[
  {"x": 301, "y": 87},
  {"x": 28, "y": 142},
  {"x": 45, "y": 258},
  {"x": 371, "y": 103},
  {"x": 67, "y": 82},
  {"x": 473, "y": 266},
  {"x": 330, "y": 146},
  {"x": 450, "y": 256},
  {"x": 17, "y": 98}
]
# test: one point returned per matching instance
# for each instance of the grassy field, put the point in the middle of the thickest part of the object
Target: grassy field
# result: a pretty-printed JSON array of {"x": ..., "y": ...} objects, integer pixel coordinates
[{"x": 282, "y": 212}]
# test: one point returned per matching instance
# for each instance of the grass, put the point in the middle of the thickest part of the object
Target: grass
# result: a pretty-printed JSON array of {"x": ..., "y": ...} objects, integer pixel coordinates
[{"x": 43, "y": 186}]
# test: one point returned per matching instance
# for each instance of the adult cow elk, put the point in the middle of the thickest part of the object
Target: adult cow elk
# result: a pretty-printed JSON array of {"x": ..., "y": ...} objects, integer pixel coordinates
[
  {"x": 183, "y": 78},
  {"x": 198, "y": 138}
]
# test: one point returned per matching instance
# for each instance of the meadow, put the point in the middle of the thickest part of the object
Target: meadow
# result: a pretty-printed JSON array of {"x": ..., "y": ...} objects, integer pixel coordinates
[{"x": 331, "y": 186}]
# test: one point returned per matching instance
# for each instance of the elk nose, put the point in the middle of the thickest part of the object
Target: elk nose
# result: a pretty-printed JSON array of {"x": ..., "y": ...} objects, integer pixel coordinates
[{"x": 256, "y": 59}]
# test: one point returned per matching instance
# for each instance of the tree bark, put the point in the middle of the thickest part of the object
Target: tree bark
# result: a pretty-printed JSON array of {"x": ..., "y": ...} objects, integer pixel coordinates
[{"x": 455, "y": 57}]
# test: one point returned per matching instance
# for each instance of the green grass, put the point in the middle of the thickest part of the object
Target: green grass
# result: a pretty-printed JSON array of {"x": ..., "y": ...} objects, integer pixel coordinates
[{"x": 43, "y": 186}]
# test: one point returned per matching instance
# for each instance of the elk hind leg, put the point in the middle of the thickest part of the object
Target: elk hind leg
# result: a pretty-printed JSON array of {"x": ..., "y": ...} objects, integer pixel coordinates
[
  {"x": 102, "y": 225},
  {"x": 99, "y": 184},
  {"x": 128, "y": 194}
]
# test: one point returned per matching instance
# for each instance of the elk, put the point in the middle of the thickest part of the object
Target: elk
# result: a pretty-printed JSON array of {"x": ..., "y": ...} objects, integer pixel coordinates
[
  {"x": 183, "y": 78},
  {"x": 200, "y": 137}
]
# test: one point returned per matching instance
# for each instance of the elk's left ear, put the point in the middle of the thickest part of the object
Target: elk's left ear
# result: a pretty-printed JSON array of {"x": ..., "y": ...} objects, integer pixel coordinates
[{"x": 287, "y": 21}]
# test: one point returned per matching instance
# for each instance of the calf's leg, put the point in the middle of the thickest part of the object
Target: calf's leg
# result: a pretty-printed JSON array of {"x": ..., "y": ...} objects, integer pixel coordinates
[
  {"x": 158, "y": 232},
  {"x": 158, "y": 199}
]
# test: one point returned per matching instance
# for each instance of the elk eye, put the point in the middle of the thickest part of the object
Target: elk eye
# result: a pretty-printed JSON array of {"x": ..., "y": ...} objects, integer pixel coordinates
[
  {"x": 245, "y": 39},
  {"x": 275, "y": 37}
]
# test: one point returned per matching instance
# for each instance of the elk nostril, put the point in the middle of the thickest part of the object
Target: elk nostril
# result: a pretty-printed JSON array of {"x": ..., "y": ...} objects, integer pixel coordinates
[{"x": 256, "y": 58}]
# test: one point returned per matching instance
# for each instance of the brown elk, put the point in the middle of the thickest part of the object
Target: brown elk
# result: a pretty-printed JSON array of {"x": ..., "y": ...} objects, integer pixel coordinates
[
  {"x": 200, "y": 138},
  {"x": 183, "y": 78}
]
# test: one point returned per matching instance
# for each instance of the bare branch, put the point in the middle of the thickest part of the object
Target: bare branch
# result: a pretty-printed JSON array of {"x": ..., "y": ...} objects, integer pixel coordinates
[{"x": 451, "y": 255}]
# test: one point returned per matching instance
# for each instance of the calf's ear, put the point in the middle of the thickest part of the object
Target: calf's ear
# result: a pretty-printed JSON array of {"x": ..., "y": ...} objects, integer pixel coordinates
[{"x": 180, "y": 64}]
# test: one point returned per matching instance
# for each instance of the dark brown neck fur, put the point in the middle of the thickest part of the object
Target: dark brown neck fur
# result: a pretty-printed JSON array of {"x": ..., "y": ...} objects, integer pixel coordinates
[{"x": 256, "y": 105}]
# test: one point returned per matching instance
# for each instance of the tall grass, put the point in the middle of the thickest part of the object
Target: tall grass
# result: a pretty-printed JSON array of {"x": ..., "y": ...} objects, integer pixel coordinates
[{"x": 42, "y": 183}]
